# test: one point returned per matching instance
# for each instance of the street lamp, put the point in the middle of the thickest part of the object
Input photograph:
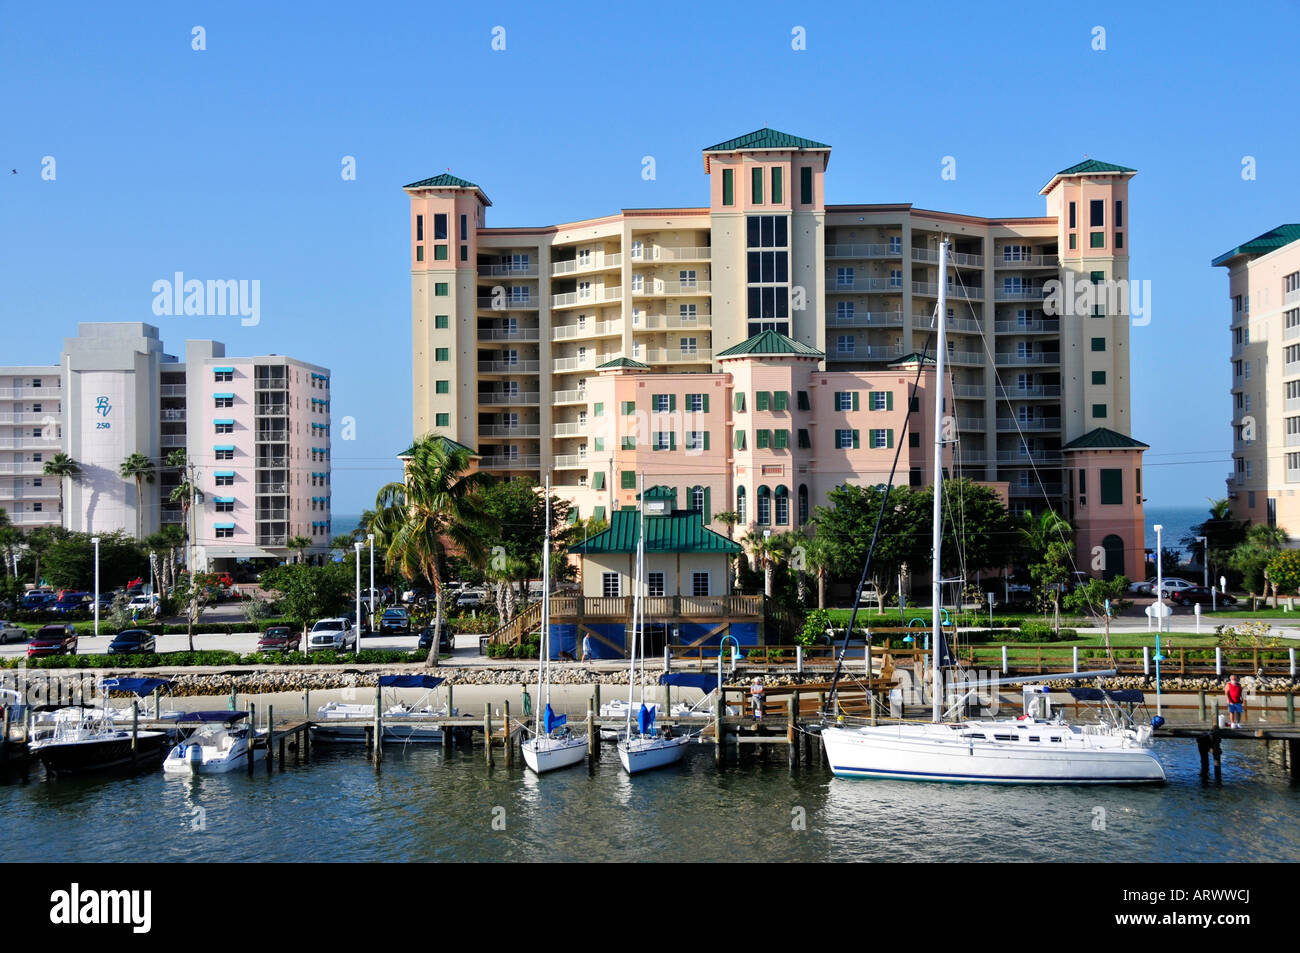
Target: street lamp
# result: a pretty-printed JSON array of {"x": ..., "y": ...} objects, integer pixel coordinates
[
  {"x": 1160, "y": 581},
  {"x": 357, "y": 547},
  {"x": 370, "y": 538},
  {"x": 95, "y": 541}
]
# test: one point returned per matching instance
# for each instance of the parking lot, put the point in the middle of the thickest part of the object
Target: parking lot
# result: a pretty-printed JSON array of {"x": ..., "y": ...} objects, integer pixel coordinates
[{"x": 244, "y": 643}]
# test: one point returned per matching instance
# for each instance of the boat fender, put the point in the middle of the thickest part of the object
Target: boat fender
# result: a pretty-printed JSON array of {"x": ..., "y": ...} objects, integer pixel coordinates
[{"x": 1157, "y": 721}]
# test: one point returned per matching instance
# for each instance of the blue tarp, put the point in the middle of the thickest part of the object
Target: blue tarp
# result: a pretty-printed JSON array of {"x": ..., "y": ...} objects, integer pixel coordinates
[
  {"x": 1114, "y": 694},
  {"x": 136, "y": 686},
  {"x": 210, "y": 717},
  {"x": 410, "y": 681},
  {"x": 645, "y": 720},
  {"x": 551, "y": 721},
  {"x": 706, "y": 683}
]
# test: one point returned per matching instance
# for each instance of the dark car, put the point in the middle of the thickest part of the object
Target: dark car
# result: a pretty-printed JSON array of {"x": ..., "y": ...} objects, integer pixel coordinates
[
  {"x": 132, "y": 642},
  {"x": 426, "y": 639},
  {"x": 53, "y": 640},
  {"x": 73, "y": 602},
  {"x": 36, "y": 600},
  {"x": 1187, "y": 597},
  {"x": 279, "y": 638},
  {"x": 396, "y": 621}
]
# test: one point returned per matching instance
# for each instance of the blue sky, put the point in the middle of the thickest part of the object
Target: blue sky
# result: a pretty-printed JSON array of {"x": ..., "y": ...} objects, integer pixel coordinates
[{"x": 225, "y": 163}]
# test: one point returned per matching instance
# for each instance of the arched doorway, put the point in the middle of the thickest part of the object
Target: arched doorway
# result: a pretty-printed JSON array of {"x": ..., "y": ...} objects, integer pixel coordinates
[{"x": 1114, "y": 548}]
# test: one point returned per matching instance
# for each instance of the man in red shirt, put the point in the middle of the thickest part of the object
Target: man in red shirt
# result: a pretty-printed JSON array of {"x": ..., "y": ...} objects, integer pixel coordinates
[{"x": 1236, "y": 702}]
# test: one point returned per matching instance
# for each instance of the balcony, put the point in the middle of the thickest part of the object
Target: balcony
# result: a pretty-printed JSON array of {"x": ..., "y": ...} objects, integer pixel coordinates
[
  {"x": 1292, "y": 296},
  {"x": 520, "y": 399},
  {"x": 1021, "y": 293},
  {"x": 868, "y": 352},
  {"x": 172, "y": 514},
  {"x": 272, "y": 463},
  {"x": 280, "y": 436},
  {"x": 171, "y": 414},
  {"x": 272, "y": 408},
  {"x": 676, "y": 355},
  {"x": 960, "y": 259},
  {"x": 930, "y": 289},
  {"x": 172, "y": 440},
  {"x": 1027, "y": 327},
  {"x": 598, "y": 262},
  {"x": 521, "y": 462},
  {"x": 652, "y": 287},
  {"x": 27, "y": 417},
  {"x": 673, "y": 253},
  {"x": 966, "y": 358},
  {"x": 868, "y": 250},
  {"x": 570, "y": 461},
  {"x": 923, "y": 322},
  {"x": 504, "y": 334},
  {"x": 1026, "y": 458},
  {"x": 171, "y": 390},
  {"x": 271, "y": 515},
  {"x": 51, "y": 518},
  {"x": 508, "y": 271},
  {"x": 561, "y": 397},
  {"x": 662, "y": 608},
  {"x": 866, "y": 319},
  {"x": 274, "y": 541},
  {"x": 1016, "y": 425},
  {"x": 509, "y": 303},
  {"x": 28, "y": 468},
  {"x": 265, "y": 489},
  {"x": 1026, "y": 393},
  {"x": 504, "y": 430},
  {"x": 672, "y": 322},
  {"x": 1034, "y": 490},
  {"x": 592, "y": 296},
  {"x": 29, "y": 393},
  {"x": 968, "y": 390},
  {"x": 1027, "y": 360},
  {"x": 508, "y": 367},
  {"x": 864, "y": 283},
  {"x": 1026, "y": 261},
  {"x": 970, "y": 423},
  {"x": 587, "y": 329},
  {"x": 271, "y": 383},
  {"x": 570, "y": 430}
]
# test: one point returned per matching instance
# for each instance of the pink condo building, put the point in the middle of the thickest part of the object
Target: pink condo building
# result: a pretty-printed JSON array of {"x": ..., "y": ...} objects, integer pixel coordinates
[{"x": 758, "y": 351}]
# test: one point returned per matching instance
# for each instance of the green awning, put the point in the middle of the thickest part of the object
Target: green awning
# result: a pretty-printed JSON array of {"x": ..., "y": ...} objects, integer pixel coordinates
[{"x": 598, "y": 480}]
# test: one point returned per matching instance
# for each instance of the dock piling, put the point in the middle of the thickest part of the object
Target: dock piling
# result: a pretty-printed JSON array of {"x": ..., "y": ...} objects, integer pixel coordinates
[
  {"x": 791, "y": 744},
  {"x": 252, "y": 734},
  {"x": 719, "y": 729},
  {"x": 487, "y": 731},
  {"x": 270, "y": 734},
  {"x": 509, "y": 735}
]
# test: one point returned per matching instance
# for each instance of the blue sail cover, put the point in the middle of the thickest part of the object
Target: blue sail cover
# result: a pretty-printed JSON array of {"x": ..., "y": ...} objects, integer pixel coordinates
[
  {"x": 706, "y": 683},
  {"x": 645, "y": 720},
  {"x": 1114, "y": 694},
  {"x": 136, "y": 686},
  {"x": 551, "y": 721},
  {"x": 410, "y": 681}
]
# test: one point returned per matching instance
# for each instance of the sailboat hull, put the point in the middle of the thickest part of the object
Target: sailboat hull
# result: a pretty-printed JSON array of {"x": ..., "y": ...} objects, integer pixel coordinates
[
  {"x": 646, "y": 754},
  {"x": 550, "y": 754},
  {"x": 991, "y": 753}
]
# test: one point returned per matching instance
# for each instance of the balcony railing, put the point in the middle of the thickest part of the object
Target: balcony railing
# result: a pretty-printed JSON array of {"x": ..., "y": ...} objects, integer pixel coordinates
[
  {"x": 569, "y": 461},
  {"x": 1292, "y": 296},
  {"x": 1023, "y": 393},
  {"x": 1034, "y": 456},
  {"x": 502, "y": 334},
  {"x": 867, "y": 250},
  {"x": 51, "y": 517},
  {"x": 672, "y": 322},
  {"x": 968, "y": 390},
  {"x": 569, "y": 397},
  {"x": 509, "y": 303},
  {"x": 171, "y": 413},
  {"x": 508, "y": 271},
  {"x": 1015, "y": 425},
  {"x": 658, "y": 286},
  {"x": 271, "y": 488},
  {"x": 865, "y": 319},
  {"x": 960, "y": 259},
  {"x": 1022, "y": 293},
  {"x": 27, "y": 417},
  {"x": 29, "y": 393},
  {"x": 863, "y": 283},
  {"x": 867, "y": 352},
  {"x": 930, "y": 289},
  {"x": 521, "y": 462},
  {"x": 172, "y": 440},
  {"x": 571, "y": 299},
  {"x": 570, "y": 430},
  {"x": 966, "y": 358},
  {"x": 522, "y": 398},
  {"x": 1034, "y": 490},
  {"x": 673, "y": 253},
  {"x": 970, "y": 423},
  {"x": 171, "y": 390},
  {"x": 676, "y": 355},
  {"x": 508, "y": 367},
  {"x": 1027, "y": 327},
  {"x": 588, "y": 329},
  {"x": 590, "y": 263},
  {"x": 923, "y": 322},
  {"x": 1025, "y": 360},
  {"x": 657, "y": 607},
  {"x": 503, "y": 430},
  {"x": 27, "y": 468}
]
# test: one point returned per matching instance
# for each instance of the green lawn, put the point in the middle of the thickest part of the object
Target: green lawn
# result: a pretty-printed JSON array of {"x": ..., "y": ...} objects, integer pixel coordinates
[{"x": 840, "y": 617}]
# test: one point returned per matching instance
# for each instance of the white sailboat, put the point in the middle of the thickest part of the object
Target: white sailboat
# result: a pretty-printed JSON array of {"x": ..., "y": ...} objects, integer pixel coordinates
[
  {"x": 1033, "y": 749},
  {"x": 644, "y": 749},
  {"x": 553, "y": 745}
]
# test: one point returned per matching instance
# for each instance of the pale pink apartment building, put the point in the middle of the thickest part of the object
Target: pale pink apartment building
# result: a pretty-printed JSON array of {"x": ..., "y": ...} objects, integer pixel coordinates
[{"x": 514, "y": 330}]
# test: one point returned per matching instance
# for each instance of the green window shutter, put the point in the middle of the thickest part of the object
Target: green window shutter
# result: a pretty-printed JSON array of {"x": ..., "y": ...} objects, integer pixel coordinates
[
  {"x": 781, "y": 439},
  {"x": 889, "y": 400},
  {"x": 672, "y": 402},
  {"x": 629, "y": 408},
  {"x": 1099, "y": 344},
  {"x": 763, "y": 438},
  {"x": 762, "y": 400},
  {"x": 441, "y": 354},
  {"x": 756, "y": 185},
  {"x": 805, "y": 186},
  {"x": 442, "y": 387},
  {"x": 1112, "y": 487},
  {"x": 708, "y": 511},
  {"x": 740, "y": 440},
  {"x": 889, "y": 438},
  {"x": 598, "y": 410},
  {"x": 672, "y": 440},
  {"x": 600, "y": 444},
  {"x": 728, "y": 187},
  {"x": 802, "y": 400},
  {"x": 1099, "y": 377},
  {"x": 439, "y": 252},
  {"x": 740, "y": 402},
  {"x": 804, "y": 442},
  {"x": 440, "y": 322},
  {"x": 856, "y": 440},
  {"x": 855, "y": 399},
  {"x": 419, "y": 253},
  {"x": 778, "y": 192},
  {"x": 442, "y": 420},
  {"x": 706, "y": 440},
  {"x": 780, "y": 400},
  {"x": 598, "y": 480},
  {"x": 706, "y": 403},
  {"x": 629, "y": 443},
  {"x": 628, "y": 478},
  {"x": 440, "y": 289}
]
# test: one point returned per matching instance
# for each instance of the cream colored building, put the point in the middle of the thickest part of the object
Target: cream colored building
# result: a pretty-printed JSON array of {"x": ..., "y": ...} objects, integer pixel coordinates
[{"x": 1264, "y": 290}]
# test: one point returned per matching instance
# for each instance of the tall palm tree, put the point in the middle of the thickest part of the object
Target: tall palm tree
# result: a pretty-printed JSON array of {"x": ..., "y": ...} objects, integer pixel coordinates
[
  {"x": 299, "y": 544},
  {"x": 767, "y": 552},
  {"x": 1045, "y": 541},
  {"x": 729, "y": 519},
  {"x": 139, "y": 468},
  {"x": 440, "y": 501},
  {"x": 64, "y": 467}
]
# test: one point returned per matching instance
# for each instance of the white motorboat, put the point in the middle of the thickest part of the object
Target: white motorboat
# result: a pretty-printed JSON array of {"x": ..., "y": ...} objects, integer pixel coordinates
[
  {"x": 402, "y": 722},
  {"x": 219, "y": 744},
  {"x": 1029, "y": 750},
  {"x": 554, "y": 745}
]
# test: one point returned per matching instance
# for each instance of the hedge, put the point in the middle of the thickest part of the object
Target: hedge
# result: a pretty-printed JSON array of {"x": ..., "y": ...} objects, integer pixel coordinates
[{"x": 186, "y": 659}]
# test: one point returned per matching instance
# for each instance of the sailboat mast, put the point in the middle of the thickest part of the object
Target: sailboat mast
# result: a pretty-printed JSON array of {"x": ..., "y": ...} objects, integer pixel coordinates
[
  {"x": 546, "y": 605},
  {"x": 640, "y": 588},
  {"x": 941, "y": 352}
]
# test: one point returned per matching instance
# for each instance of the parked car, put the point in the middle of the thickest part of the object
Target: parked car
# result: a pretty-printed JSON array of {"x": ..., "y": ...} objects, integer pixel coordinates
[
  {"x": 395, "y": 621},
  {"x": 142, "y": 602},
  {"x": 72, "y": 601},
  {"x": 426, "y": 640},
  {"x": 132, "y": 642},
  {"x": 279, "y": 638},
  {"x": 470, "y": 599},
  {"x": 365, "y": 620},
  {"x": 1142, "y": 588},
  {"x": 35, "y": 600},
  {"x": 337, "y": 634},
  {"x": 1170, "y": 586},
  {"x": 1195, "y": 594},
  {"x": 57, "y": 639},
  {"x": 9, "y": 632}
]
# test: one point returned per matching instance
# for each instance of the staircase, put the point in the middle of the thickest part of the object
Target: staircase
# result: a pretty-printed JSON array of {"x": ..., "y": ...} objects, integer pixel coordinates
[{"x": 524, "y": 623}]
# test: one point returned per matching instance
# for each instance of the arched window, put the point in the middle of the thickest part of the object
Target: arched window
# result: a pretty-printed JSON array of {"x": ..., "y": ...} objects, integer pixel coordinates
[
  {"x": 782, "y": 506},
  {"x": 696, "y": 494},
  {"x": 764, "y": 506},
  {"x": 740, "y": 506},
  {"x": 803, "y": 503},
  {"x": 1113, "y": 548}
]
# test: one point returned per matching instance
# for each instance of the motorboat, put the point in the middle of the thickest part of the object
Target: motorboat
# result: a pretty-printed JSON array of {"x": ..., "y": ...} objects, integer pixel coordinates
[
  {"x": 218, "y": 743},
  {"x": 403, "y": 722},
  {"x": 94, "y": 743}
]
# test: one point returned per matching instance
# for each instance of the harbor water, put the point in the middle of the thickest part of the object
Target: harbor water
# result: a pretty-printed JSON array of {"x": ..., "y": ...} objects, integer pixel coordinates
[{"x": 427, "y": 805}]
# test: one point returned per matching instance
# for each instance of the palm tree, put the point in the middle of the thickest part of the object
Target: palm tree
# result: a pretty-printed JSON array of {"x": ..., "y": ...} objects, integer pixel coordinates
[
  {"x": 139, "y": 468},
  {"x": 62, "y": 466},
  {"x": 1045, "y": 541},
  {"x": 298, "y": 544},
  {"x": 441, "y": 508},
  {"x": 729, "y": 519},
  {"x": 767, "y": 551}
]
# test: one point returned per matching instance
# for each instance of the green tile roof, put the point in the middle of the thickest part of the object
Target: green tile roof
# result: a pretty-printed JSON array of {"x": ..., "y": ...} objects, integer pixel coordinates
[
  {"x": 624, "y": 362},
  {"x": 1271, "y": 240},
  {"x": 681, "y": 532},
  {"x": 451, "y": 445},
  {"x": 1104, "y": 439},
  {"x": 1089, "y": 167},
  {"x": 770, "y": 342},
  {"x": 915, "y": 357},
  {"x": 447, "y": 181},
  {"x": 766, "y": 139}
]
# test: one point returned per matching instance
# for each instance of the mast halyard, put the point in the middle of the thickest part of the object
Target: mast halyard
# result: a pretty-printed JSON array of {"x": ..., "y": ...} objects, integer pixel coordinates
[
  {"x": 546, "y": 603},
  {"x": 941, "y": 352}
]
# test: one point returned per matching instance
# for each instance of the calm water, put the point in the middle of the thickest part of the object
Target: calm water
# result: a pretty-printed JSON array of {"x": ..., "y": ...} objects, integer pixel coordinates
[
  {"x": 1177, "y": 522},
  {"x": 424, "y": 806}
]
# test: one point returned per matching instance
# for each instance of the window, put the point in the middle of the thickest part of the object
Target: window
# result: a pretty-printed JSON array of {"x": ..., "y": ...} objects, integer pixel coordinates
[
  {"x": 728, "y": 187},
  {"x": 695, "y": 498},
  {"x": 464, "y": 228},
  {"x": 628, "y": 443},
  {"x": 740, "y": 402},
  {"x": 439, "y": 252},
  {"x": 419, "y": 253},
  {"x": 914, "y": 440},
  {"x": 1097, "y": 240},
  {"x": 782, "y": 497},
  {"x": 663, "y": 440},
  {"x": 846, "y": 439},
  {"x": 1112, "y": 487},
  {"x": 1119, "y": 239},
  {"x": 627, "y": 479},
  {"x": 224, "y": 426},
  {"x": 697, "y": 440},
  {"x": 844, "y": 311},
  {"x": 805, "y": 442},
  {"x": 806, "y": 185},
  {"x": 780, "y": 400},
  {"x": 881, "y": 437},
  {"x": 629, "y": 407},
  {"x": 224, "y": 505},
  {"x": 699, "y": 583},
  {"x": 845, "y": 400},
  {"x": 419, "y": 228},
  {"x": 440, "y": 322},
  {"x": 1119, "y": 214},
  {"x": 662, "y": 403},
  {"x": 764, "y": 517},
  {"x": 1099, "y": 377},
  {"x": 844, "y": 344},
  {"x": 803, "y": 503},
  {"x": 1074, "y": 239},
  {"x": 221, "y": 376},
  {"x": 780, "y": 439},
  {"x": 880, "y": 400},
  {"x": 844, "y": 277},
  {"x": 1098, "y": 411},
  {"x": 762, "y": 439},
  {"x": 896, "y": 278},
  {"x": 756, "y": 185},
  {"x": 740, "y": 439},
  {"x": 225, "y": 532},
  {"x": 1097, "y": 213},
  {"x": 442, "y": 387},
  {"x": 740, "y": 504},
  {"x": 223, "y": 479},
  {"x": 895, "y": 244},
  {"x": 224, "y": 453},
  {"x": 222, "y": 400},
  {"x": 440, "y": 289},
  {"x": 442, "y": 354},
  {"x": 697, "y": 403},
  {"x": 1099, "y": 344},
  {"x": 1072, "y": 220},
  {"x": 762, "y": 400},
  {"x": 803, "y": 400},
  {"x": 654, "y": 584},
  {"x": 611, "y": 585},
  {"x": 442, "y": 420}
]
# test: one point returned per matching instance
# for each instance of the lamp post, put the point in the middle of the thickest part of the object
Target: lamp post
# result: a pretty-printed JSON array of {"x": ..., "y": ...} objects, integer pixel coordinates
[
  {"x": 357, "y": 548},
  {"x": 370, "y": 538},
  {"x": 1205, "y": 561},
  {"x": 95, "y": 541},
  {"x": 1160, "y": 581}
]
